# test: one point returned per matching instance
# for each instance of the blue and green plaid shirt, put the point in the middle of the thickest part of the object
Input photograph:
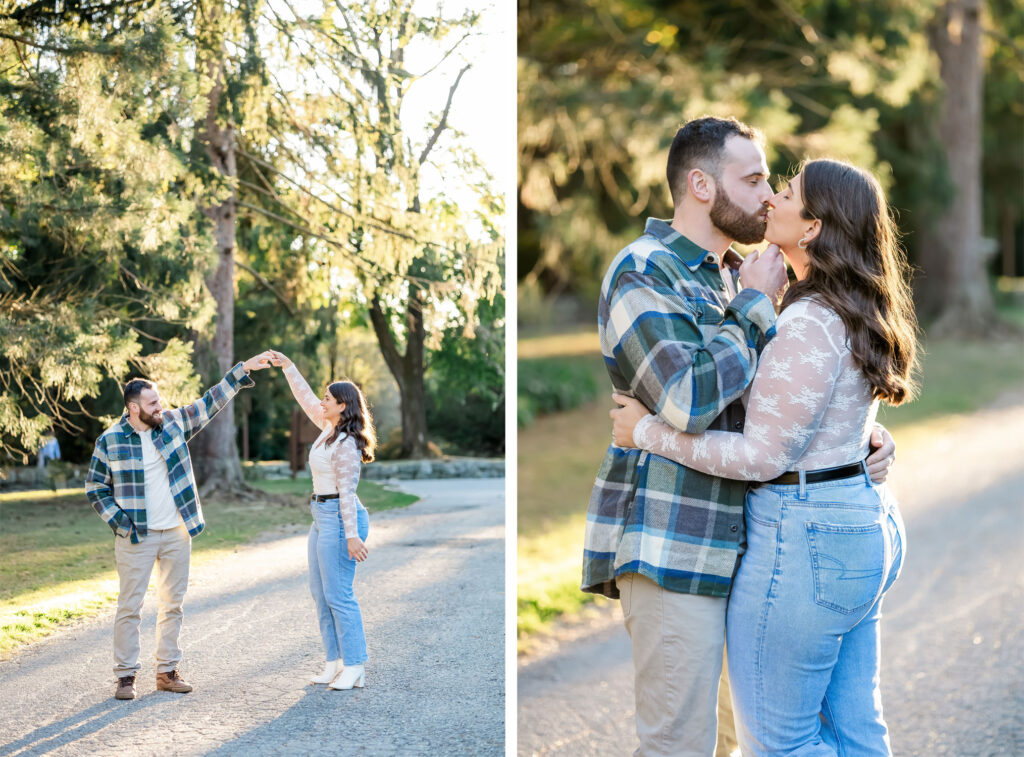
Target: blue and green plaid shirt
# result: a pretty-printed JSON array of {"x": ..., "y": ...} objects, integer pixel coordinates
[
  {"x": 672, "y": 340},
  {"x": 116, "y": 483}
]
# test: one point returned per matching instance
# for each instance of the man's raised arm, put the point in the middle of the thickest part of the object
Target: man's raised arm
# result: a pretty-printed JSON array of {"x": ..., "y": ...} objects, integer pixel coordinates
[{"x": 194, "y": 417}]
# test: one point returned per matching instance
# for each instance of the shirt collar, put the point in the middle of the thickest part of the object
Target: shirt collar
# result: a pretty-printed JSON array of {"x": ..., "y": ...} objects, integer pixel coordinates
[
  {"x": 128, "y": 429},
  {"x": 692, "y": 255}
]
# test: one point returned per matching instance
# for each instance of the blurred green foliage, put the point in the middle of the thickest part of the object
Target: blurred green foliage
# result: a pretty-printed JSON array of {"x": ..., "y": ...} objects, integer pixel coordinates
[
  {"x": 552, "y": 384},
  {"x": 603, "y": 86},
  {"x": 466, "y": 385}
]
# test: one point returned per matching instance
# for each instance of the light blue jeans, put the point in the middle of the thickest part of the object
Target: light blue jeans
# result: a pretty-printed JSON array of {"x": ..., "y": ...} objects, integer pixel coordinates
[
  {"x": 802, "y": 627},
  {"x": 331, "y": 572}
]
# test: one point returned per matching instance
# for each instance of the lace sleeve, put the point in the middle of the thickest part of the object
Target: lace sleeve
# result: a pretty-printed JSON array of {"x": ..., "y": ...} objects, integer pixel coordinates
[
  {"x": 304, "y": 395},
  {"x": 791, "y": 391},
  {"x": 345, "y": 460}
]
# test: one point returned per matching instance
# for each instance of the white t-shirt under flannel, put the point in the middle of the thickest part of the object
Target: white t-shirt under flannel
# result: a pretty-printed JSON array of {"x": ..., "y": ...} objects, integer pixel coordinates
[{"x": 161, "y": 513}]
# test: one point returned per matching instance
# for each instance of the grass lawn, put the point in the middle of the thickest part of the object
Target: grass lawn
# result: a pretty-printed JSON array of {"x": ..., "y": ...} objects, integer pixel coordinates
[
  {"x": 57, "y": 556},
  {"x": 559, "y": 456},
  {"x": 373, "y": 496}
]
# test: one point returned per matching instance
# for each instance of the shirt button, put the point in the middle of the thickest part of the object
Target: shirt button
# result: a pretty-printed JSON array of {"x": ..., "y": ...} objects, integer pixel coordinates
[
  {"x": 734, "y": 528},
  {"x": 738, "y": 425}
]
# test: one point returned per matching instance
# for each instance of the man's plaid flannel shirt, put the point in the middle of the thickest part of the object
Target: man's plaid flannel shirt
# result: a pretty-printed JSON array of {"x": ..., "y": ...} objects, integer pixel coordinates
[
  {"x": 116, "y": 480},
  {"x": 670, "y": 339}
]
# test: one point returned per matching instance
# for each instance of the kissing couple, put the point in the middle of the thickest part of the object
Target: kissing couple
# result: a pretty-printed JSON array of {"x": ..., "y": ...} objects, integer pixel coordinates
[{"x": 741, "y": 505}]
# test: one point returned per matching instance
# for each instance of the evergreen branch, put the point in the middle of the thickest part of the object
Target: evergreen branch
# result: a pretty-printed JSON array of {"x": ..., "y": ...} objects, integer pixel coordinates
[
  {"x": 1005, "y": 40},
  {"x": 24, "y": 65},
  {"x": 266, "y": 284},
  {"x": 370, "y": 222},
  {"x": 55, "y": 48},
  {"x": 348, "y": 24},
  {"x": 156, "y": 339},
  {"x": 363, "y": 64},
  {"x": 342, "y": 246},
  {"x": 361, "y": 221}
]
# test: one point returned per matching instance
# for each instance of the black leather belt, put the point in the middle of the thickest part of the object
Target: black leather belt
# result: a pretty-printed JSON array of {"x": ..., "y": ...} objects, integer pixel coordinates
[
  {"x": 324, "y": 497},
  {"x": 817, "y": 476}
]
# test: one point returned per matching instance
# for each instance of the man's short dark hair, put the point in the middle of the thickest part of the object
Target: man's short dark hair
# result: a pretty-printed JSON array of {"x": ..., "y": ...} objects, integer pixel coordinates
[
  {"x": 701, "y": 144},
  {"x": 133, "y": 390}
]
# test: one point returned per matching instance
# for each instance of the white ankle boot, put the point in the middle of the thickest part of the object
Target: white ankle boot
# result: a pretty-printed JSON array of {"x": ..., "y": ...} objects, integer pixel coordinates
[
  {"x": 331, "y": 670},
  {"x": 351, "y": 676}
]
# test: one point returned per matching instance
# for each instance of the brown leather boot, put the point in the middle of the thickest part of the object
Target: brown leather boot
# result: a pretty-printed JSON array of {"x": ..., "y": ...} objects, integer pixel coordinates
[
  {"x": 125, "y": 687},
  {"x": 171, "y": 681}
]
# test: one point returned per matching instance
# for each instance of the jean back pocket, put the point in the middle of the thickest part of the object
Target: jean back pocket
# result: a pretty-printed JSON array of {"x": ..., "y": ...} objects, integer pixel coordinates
[{"x": 846, "y": 562}]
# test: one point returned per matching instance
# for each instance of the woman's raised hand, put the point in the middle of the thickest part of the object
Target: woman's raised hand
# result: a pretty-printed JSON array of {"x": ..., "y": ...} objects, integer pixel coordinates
[{"x": 279, "y": 359}]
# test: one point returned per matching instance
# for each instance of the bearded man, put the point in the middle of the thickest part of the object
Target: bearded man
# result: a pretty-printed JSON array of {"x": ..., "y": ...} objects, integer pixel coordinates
[{"x": 140, "y": 482}]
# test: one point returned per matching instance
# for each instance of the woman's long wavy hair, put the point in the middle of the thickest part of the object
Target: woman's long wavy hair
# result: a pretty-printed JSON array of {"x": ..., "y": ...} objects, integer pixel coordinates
[
  {"x": 355, "y": 420},
  {"x": 857, "y": 268}
]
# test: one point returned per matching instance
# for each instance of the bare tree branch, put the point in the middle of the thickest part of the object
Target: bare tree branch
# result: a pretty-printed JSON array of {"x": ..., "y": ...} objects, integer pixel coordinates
[{"x": 443, "y": 123}]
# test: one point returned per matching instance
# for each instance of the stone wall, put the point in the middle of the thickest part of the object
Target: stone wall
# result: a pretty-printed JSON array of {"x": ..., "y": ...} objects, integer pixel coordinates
[
  {"x": 53, "y": 476},
  {"x": 64, "y": 475},
  {"x": 451, "y": 467}
]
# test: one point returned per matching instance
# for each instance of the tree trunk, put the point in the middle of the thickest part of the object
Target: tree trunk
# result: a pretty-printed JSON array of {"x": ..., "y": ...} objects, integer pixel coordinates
[
  {"x": 407, "y": 369},
  {"x": 956, "y": 272},
  {"x": 217, "y": 465}
]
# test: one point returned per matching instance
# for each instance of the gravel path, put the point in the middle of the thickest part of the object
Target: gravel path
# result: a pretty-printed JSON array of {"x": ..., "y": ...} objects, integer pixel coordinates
[
  {"x": 952, "y": 638},
  {"x": 432, "y": 594}
]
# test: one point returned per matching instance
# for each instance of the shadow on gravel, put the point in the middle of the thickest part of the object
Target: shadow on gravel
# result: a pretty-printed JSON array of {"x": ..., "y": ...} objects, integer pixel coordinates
[
  {"x": 65, "y": 732},
  {"x": 298, "y": 722}
]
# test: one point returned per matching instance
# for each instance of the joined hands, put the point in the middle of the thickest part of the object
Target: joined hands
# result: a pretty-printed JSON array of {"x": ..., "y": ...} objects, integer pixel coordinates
[
  {"x": 257, "y": 362},
  {"x": 266, "y": 359}
]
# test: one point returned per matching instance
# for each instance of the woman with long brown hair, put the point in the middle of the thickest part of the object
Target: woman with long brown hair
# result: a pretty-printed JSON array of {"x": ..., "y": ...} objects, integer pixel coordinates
[
  {"x": 340, "y": 522},
  {"x": 823, "y": 542}
]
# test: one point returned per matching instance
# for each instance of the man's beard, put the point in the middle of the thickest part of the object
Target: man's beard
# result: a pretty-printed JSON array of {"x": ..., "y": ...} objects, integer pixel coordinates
[
  {"x": 153, "y": 421},
  {"x": 736, "y": 223}
]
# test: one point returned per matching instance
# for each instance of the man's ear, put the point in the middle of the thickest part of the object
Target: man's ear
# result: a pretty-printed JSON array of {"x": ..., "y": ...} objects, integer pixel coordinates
[{"x": 700, "y": 184}]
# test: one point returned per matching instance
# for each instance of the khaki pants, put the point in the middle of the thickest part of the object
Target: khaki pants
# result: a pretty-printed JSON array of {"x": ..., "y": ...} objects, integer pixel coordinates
[
  {"x": 170, "y": 550},
  {"x": 678, "y": 645}
]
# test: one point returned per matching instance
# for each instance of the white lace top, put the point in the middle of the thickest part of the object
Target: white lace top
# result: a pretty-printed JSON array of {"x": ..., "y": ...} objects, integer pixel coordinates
[
  {"x": 335, "y": 467},
  {"x": 808, "y": 407}
]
